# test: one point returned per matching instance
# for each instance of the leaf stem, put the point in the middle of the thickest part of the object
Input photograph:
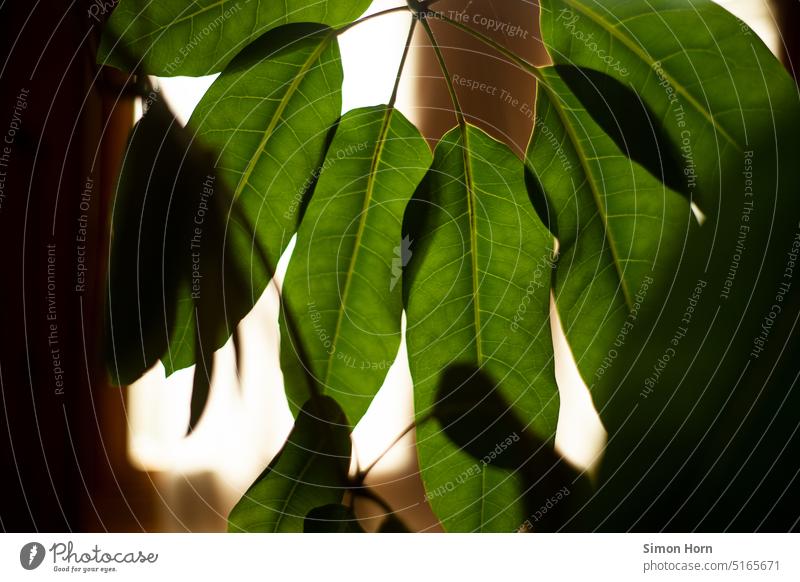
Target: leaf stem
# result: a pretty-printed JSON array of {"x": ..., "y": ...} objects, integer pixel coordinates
[
  {"x": 411, "y": 30},
  {"x": 443, "y": 66},
  {"x": 468, "y": 183}
]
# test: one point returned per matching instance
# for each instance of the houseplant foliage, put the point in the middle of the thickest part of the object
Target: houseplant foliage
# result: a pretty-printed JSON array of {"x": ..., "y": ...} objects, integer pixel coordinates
[{"x": 652, "y": 114}]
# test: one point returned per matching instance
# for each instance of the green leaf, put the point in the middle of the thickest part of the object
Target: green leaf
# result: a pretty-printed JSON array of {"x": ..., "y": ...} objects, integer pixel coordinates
[
  {"x": 714, "y": 91},
  {"x": 697, "y": 420},
  {"x": 477, "y": 294},
  {"x": 619, "y": 228},
  {"x": 628, "y": 121},
  {"x": 477, "y": 418},
  {"x": 143, "y": 282},
  {"x": 282, "y": 94},
  {"x": 170, "y": 261},
  {"x": 310, "y": 470},
  {"x": 331, "y": 518},
  {"x": 200, "y": 37},
  {"x": 342, "y": 286},
  {"x": 150, "y": 266},
  {"x": 700, "y": 70}
]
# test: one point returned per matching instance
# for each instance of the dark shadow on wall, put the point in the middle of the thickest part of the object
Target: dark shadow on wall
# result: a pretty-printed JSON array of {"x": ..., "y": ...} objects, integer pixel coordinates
[{"x": 62, "y": 428}]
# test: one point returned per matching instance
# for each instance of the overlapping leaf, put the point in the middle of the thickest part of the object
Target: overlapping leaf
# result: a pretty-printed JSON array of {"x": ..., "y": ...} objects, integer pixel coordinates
[
  {"x": 343, "y": 282},
  {"x": 694, "y": 382},
  {"x": 619, "y": 228},
  {"x": 709, "y": 78},
  {"x": 282, "y": 94},
  {"x": 191, "y": 37},
  {"x": 310, "y": 471},
  {"x": 168, "y": 201},
  {"x": 714, "y": 92},
  {"x": 647, "y": 297},
  {"x": 144, "y": 281},
  {"x": 477, "y": 295}
]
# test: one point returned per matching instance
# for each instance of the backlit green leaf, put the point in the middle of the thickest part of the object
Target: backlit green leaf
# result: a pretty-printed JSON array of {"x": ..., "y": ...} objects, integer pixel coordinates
[
  {"x": 310, "y": 470},
  {"x": 343, "y": 282},
  {"x": 200, "y": 37},
  {"x": 477, "y": 294},
  {"x": 708, "y": 77},
  {"x": 619, "y": 228},
  {"x": 267, "y": 118},
  {"x": 697, "y": 394}
]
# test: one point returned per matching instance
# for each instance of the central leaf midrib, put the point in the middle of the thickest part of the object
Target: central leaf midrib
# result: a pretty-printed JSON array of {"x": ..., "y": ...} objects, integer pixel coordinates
[
  {"x": 635, "y": 49},
  {"x": 562, "y": 115},
  {"x": 298, "y": 78},
  {"x": 473, "y": 239},
  {"x": 371, "y": 180}
]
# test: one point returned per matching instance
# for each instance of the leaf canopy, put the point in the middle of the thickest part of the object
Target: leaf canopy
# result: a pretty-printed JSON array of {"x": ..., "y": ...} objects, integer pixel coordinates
[{"x": 653, "y": 112}]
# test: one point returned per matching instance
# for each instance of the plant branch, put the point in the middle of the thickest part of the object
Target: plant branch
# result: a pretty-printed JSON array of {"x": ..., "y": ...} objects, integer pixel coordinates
[
  {"x": 443, "y": 66},
  {"x": 403, "y": 61},
  {"x": 421, "y": 6}
]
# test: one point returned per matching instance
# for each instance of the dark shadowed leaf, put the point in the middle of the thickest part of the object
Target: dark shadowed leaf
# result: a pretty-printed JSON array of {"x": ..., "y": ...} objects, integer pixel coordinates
[
  {"x": 144, "y": 282},
  {"x": 168, "y": 255},
  {"x": 331, "y": 518}
]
